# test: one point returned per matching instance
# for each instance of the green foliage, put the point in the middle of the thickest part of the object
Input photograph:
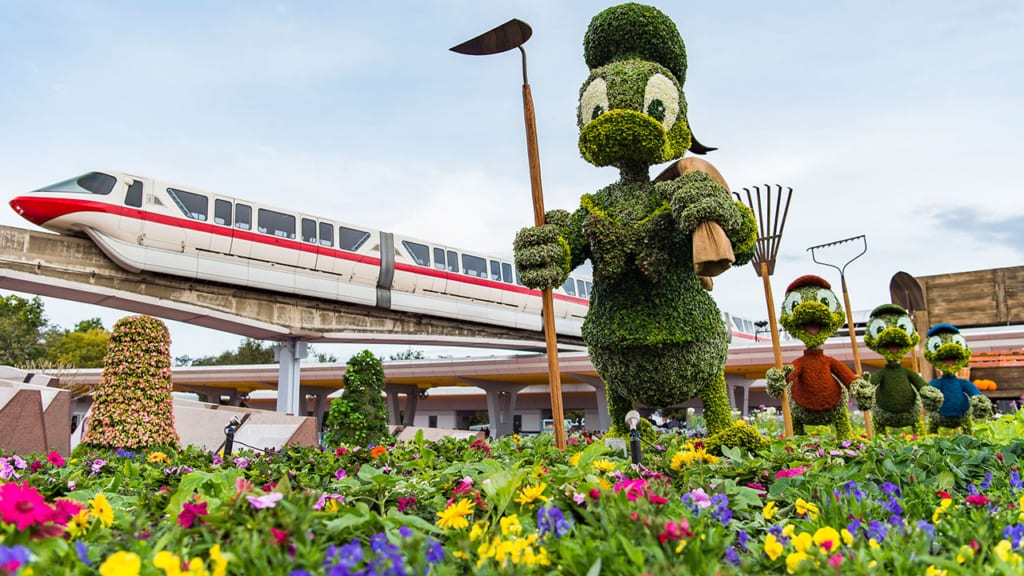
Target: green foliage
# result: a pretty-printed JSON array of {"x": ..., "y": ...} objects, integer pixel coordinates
[
  {"x": 132, "y": 405},
  {"x": 635, "y": 31},
  {"x": 739, "y": 435},
  {"x": 542, "y": 256},
  {"x": 21, "y": 330},
  {"x": 812, "y": 313},
  {"x": 359, "y": 417},
  {"x": 85, "y": 347},
  {"x": 408, "y": 354}
]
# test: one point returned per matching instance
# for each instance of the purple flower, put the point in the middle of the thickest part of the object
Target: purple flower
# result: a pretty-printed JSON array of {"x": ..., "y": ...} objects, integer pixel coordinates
[
  {"x": 265, "y": 501},
  {"x": 877, "y": 531},
  {"x": 97, "y": 465},
  {"x": 732, "y": 556},
  {"x": 435, "y": 551},
  {"x": 340, "y": 473},
  {"x": 12, "y": 558},
  {"x": 552, "y": 520},
  {"x": 345, "y": 557},
  {"x": 82, "y": 552},
  {"x": 742, "y": 538},
  {"x": 987, "y": 481},
  {"x": 927, "y": 528},
  {"x": 1015, "y": 482},
  {"x": 1014, "y": 534},
  {"x": 405, "y": 531}
]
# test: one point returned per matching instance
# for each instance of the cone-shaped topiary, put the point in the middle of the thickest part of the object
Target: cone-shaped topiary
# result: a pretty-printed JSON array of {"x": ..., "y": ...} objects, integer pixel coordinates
[
  {"x": 132, "y": 405},
  {"x": 359, "y": 417}
]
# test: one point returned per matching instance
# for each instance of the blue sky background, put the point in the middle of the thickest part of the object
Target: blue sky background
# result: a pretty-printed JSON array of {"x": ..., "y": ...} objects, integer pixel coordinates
[{"x": 896, "y": 120}]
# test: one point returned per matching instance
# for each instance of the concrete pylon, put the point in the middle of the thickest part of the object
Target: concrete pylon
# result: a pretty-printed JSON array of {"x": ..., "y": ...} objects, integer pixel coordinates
[
  {"x": 412, "y": 394},
  {"x": 289, "y": 355},
  {"x": 603, "y": 419}
]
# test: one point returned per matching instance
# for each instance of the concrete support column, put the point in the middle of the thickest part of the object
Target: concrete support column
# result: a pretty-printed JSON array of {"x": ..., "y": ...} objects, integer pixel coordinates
[
  {"x": 319, "y": 402},
  {"x": 411, "y": 393},
  {"x": 289, "y": 355},
  {"x": 501, "y": 408},
  {"x": 603, "y": 419}
]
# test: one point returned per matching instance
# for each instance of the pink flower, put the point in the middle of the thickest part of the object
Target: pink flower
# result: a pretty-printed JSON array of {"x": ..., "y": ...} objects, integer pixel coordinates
[
  {"x": 190, "y": 512},
  {"x": 266, "y": 501},
  {"x": 656, "y": 499},
  {"x": 64, "y": 509},
  {"x": 242, "y": 486},
  {"x": 280, "y": 536},
  {"x": 634, "y": 488},
  {"x": 406, "y": 503},
  {"x": 595, "y": 494},
  {"x": 836, "y": 561},
  {"x": 978, "y": 500},
  {"x": 675, "y": 531},
  {"x": 700, "y": 498},
  {"x": 790, "y": 472},
  {"x": 340, "y": 473},
  {"x": 23, "y": 506},
  {"x": 56, "y": 459}
]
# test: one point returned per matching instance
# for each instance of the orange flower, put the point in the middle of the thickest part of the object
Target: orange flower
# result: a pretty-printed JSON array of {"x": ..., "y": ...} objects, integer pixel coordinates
[{"x": 377, "y": 451}]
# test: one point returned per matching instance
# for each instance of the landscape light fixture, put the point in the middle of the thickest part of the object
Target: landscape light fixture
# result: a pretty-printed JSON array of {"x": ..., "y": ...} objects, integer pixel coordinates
[
  {"x": 632, "y": 420},
  {"x": 513, "y": 34}
]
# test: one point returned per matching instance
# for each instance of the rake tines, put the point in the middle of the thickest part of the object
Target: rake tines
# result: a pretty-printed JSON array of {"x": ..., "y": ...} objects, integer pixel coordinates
[{"x": 770, "y": 222}]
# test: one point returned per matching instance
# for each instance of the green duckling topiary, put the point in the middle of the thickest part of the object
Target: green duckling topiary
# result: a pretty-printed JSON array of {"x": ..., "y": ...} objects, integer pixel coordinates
[
  {"x": 819, "y": 384},
  {"x": 946, "y": 350},
  {"x": 654, "y": 334},
  {"x": 899, "y": 391}
]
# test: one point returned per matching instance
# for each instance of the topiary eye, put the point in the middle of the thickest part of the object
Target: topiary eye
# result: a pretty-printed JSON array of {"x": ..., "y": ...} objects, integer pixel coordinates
[
  {"x": 828, "y": 298},
  {"x": 661, "y": 100},
  {"x": 593, "y": 101},
  {"x": 906, "y": 324},
  {"x": 793, "y": 299},
  {"x": 876, "y": 327},
  {"x": 933, "y": 344},
  {"x": 958, "y": 339}
]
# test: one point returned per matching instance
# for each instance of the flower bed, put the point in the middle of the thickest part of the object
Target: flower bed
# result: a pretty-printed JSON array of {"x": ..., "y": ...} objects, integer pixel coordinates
[{"x": 896, "y": 505}]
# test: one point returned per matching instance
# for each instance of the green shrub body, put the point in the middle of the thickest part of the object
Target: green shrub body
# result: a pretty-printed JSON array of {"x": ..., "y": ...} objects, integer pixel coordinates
[
  {"x": 360, "y": 416},
  {"x": 132, "y": 405}
]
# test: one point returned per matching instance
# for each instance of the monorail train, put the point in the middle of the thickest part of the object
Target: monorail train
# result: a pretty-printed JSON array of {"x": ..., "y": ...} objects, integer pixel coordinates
[{"x": 144, "y": 224}]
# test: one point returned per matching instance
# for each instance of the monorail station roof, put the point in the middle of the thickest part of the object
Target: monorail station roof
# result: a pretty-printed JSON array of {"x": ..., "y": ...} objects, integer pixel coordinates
[{"x": 992, "y": 347}]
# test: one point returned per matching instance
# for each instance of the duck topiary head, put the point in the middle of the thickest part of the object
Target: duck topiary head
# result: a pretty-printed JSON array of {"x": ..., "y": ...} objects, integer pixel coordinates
[
  {"x": 811, "y": 310},
  {"x": 946, "y": 349},
  {"x": 890, "y": 332},
  {"x": 632, "y": 111}
]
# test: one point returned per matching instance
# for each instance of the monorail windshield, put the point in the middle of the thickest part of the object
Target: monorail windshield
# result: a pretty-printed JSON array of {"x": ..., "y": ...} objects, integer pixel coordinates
[{"x": 91, "y": 183}]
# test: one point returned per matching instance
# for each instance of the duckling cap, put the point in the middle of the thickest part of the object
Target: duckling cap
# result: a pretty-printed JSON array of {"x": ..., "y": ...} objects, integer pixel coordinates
[
  {"x": 635, "y": 31},
  {"x": 943, "y": 329}
]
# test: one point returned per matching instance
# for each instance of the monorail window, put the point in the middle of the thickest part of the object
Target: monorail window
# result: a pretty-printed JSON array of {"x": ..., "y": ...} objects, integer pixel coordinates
[
  {"x": 195, "y": 206},
  {"x": 419, "y": 252},
  {"x": 133, "y": 197},
  {"x": 439, "y": 258},
  {"x": 350, "y": 238},
  {"x": 506, "y": 272},
  {"x": 453, "y": 261},
  {"x": 326, "y": 234},
  {"x": 243, "y": 217},
  {"x": 474, "y": 266},
  {"x": 92, "y": 183},
  {"x": 570, "y": 287},
  {"x": 276, "y": 223},
  {"x": 582, "y": 289},
  {"x": 308, "y": 231},
  {"x": 496, "y": 270},
  {"x": 222, "y": 212}
]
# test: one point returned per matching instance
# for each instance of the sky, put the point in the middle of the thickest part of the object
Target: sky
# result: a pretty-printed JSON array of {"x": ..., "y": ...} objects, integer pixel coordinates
[{"x": 898, "y": 121}]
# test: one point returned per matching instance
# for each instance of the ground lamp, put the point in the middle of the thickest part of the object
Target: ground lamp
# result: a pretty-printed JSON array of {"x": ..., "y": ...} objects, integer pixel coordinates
[
  {"x": 846, "y": 302},
  {"x": 632, "y": 420},
  {"x": 513, "y": 34},
  {"x": 771, "y": 219}
]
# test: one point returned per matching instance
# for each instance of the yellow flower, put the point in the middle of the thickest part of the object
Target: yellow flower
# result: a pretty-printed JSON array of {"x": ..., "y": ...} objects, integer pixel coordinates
[
  {"x": 873, "y": 544},
  {"x": 532, "y": 493},
  {"x": 805, "y": 508},
  {"x": 933, "y": 571},
  {"x": 769, "y": 510},
  {"x": 78, "y": 523},
  {"x": 847, "y": 537},
  {"x": 516, "y": 438},
  {"x": 944, "y": 505},
  {"x": 772, "y": 547},
  {"x": 168, "y": 562},
  {"x": 331, "y": 505},
  {"x": 157, "y": 457},
  {"x": 966, "y": 553},
  {"x": 510, "y": 525},
  {"x": 604, "y": 465},
  {"x": 1004, "y": 550},
  {"x": 196, "y": 568},
  {"x": 826, "y": 538},
  {"x": 121, "y": 564},
  {"x": 454, "y": 515},
  {"x": 802, "y": 542},
  {"x": 574, "y": 460},
  {"x": 788, "y": 530},
  {"x": 100, "y": 508},
  {"x": 479, "y": 530},
  {"x": 604, "y": 484},
  {"x": 794, "y": 559},
  {"x": 220, "y": 561}
]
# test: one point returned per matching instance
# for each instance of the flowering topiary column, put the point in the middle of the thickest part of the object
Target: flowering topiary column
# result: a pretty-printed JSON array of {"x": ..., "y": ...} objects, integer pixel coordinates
[
  {"x": 132, "y": 405},
  {"x": 360, "y": 416}
]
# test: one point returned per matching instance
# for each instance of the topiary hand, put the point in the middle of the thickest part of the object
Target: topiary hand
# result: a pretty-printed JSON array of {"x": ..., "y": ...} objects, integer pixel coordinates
[
  {"x": 776, "y": 380},
  {"x": 864, "y": 393},
  {"x": 981, "y": 407},
  {"x": 542, "y": 256},
  {"x": 931, "y": 398}
]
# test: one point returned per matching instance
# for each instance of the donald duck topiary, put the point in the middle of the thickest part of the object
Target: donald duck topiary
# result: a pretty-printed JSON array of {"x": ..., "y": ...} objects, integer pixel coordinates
[
  {"x": 946, "y": 350},
  {"x": 654, "y": 334},
  {"x": 899, "y": 391},
  {"x": 819, "y": 385}
]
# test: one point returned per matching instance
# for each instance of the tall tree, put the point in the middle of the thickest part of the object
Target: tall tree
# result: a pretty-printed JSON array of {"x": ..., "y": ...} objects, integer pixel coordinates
[
  {"x": 83, "y": 347},
  {"x": 21, "y": 330}
]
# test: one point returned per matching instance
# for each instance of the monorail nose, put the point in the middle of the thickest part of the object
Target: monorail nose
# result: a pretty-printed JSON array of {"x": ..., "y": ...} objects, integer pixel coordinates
[{"x": 36, "y": 210}]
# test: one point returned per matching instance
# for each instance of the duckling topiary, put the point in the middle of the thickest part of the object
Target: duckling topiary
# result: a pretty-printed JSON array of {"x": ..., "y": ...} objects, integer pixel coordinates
[
  {"x": 654, "y": 334},
  {"x": 947, "y": 350},
  {"x": 899, "y": 391},
  {"x": 819, "y": 385}
]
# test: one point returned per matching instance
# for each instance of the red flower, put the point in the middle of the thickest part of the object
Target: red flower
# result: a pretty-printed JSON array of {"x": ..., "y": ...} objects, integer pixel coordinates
[
  {"x": 55, "y": 458},
  {"x": 999, "y": 456},
  {"x": 978, "y": 500},
  {"x": 657, "y": 500},
  {"x": 942, "y": 494},
  {"x": 35, "y": 466},
  {"x": 280, "y": 536},
  {"x": 595, "y": 494},
  {"x": 190, "y": 512}
]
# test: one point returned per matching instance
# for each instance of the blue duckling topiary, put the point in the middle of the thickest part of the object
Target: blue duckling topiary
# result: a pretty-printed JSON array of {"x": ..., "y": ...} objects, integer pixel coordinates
[
  {"x": 947, "y": 350},
  {"x": 654, "y": 334}
]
